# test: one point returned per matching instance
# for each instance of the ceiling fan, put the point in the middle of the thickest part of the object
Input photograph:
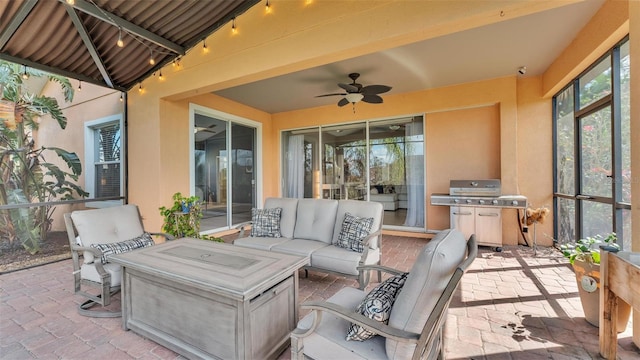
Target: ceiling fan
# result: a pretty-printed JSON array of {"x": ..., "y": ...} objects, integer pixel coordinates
[{"x": 356, "y": 92}]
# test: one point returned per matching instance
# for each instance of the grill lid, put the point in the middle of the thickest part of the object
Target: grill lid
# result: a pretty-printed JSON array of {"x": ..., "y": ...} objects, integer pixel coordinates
[{"x": 488, "y": 187}]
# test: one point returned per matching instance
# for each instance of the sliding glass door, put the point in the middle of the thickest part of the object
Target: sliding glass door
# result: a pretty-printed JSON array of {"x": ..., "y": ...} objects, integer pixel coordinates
[
  {"x": 379, "y": 161},
  {"x": 224, "y": 170}
]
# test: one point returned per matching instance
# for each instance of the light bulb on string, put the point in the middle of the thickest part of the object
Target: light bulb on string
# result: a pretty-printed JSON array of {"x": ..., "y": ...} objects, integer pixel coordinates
[
  {"x": 79, "y": 85},
  {"x": 234, "y": 29},
  {"x": 267, "y": 6},
  {"x": 121, "y": 97},
  {"x": 205, "y": 49},
  {"x": 160, "y": 77},
  {"x": 71, "y": 2},
  {"x": 152, "y": 61},
  {"x": 140, "y": 87},
  {"x": 120, "y": 43},
  {"x": 25, "y": 76}
]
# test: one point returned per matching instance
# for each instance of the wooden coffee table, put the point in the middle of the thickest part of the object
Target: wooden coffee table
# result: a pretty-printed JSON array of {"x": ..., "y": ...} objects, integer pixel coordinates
[{"x": 204, "y": 299}]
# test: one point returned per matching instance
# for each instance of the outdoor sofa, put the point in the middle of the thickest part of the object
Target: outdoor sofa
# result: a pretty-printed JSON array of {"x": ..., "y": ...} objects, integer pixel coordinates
[{"x": 337, "y": 236}]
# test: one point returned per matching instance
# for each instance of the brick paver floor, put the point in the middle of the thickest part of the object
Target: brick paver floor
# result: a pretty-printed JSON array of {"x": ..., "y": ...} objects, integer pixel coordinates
[{"x": 510, "y": 305}]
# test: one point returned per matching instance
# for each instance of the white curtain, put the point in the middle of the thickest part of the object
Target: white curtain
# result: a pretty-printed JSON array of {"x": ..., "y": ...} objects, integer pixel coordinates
[
  {"x": 414, "y": 162},
  {"x": 295, "y": 167}
]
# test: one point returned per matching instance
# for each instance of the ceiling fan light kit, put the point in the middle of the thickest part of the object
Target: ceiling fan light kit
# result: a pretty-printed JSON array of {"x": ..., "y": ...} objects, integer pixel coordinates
[{"x": 354, "y": 97}]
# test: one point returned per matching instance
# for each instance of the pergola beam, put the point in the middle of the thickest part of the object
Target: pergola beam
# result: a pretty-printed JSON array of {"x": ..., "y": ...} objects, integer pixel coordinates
[
  {"x": 17, "y": 19},
  {"x": 131, "y": 28},
  {"x": 84, "y": 35}
]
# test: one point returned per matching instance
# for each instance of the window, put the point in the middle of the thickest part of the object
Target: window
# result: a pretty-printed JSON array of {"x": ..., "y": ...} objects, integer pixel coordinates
[
  {"x": 592, "y": 151},
  {"x": 103, "y": 160}
]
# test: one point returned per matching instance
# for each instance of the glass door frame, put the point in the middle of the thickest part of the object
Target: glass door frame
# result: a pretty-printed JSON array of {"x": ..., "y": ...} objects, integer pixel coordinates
[{"x": 257, "y": 166}]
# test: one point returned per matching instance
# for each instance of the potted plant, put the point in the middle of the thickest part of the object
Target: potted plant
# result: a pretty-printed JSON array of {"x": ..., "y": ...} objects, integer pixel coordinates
[
  {"x": 182, "y": 219},
  {"x": 584, "y": 256}
]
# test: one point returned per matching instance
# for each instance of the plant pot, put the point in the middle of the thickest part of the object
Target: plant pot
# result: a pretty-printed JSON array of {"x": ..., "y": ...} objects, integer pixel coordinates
[{"x": 588, "y": 281}]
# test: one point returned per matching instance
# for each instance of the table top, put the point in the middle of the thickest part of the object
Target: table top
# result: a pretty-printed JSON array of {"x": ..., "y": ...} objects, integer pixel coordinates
[{"x": 233, "y": 270}]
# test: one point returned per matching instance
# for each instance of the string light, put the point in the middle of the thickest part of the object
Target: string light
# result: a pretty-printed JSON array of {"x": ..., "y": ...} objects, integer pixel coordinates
[
  {"x": 152, "y": 61},
  {"x": 205, "y": 49},
  {"x": 234, "y": 30},
  {"x": 268, "y": 7},
  {"x": 140, "y": 87},
  {"x": 121, "y": 97},
  {"x": 25, "y": 76},
  {"x": 120, "y": 43},
  {"x": 71, "y": 2},
  {"x": 79, "y": 85},
  {"x": 160, "y": 77}
]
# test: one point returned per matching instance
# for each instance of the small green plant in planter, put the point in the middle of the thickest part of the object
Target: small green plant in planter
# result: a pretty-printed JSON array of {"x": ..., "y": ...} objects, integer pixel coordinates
[
  {"x": 588, "y": 250},
  {"x": 182, "y": 219},
  {"x": 584, "y": 257}
]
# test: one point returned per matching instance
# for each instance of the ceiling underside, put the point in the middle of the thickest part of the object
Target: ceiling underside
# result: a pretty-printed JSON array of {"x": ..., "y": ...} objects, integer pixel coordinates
[{"x": 80, "y": 40}]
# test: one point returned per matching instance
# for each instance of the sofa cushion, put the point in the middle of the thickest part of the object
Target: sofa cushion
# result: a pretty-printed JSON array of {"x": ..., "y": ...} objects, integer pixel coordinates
[
  {"x": 354, "y": 229},
  {"x": 328, "y": 340},
  {"x": 107, "y": 225},
  {"x": 108, "y": 249},
  {"x": 89, "y": 272},
  {"x": 429, "y": 275},
  {"x": 361, "y": 209},
  {"x": 342, "y": 260},
  {"x": 316, "y": 219},
  {"x": 288, "y": 216},
  {"x": 265, "y": 222},
  {"x": 377, "y": 306},
  {"x": 299, "y": 247}
]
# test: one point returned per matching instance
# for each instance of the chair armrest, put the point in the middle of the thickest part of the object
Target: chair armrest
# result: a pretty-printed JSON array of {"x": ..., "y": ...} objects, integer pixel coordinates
[
  {"x": 367, "y": 239},
  {"x": 165, "y": 235},
  {"x": 359, "y": 319},
  {"x": 387, "y": 269},
  {"x": 241, "y": 227},
  {"x": 94, "y": 251}
]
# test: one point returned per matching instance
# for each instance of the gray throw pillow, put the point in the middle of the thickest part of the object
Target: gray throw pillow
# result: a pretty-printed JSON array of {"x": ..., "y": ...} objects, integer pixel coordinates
[
  {"x": 377, "y": 306},
  {"x": 141, "y": 241},
  {"x": 266, "y": 222},
  {"x": 353, "y": 230}
]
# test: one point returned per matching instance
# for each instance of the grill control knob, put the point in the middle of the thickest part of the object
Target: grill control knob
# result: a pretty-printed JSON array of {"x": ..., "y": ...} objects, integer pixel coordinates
[
  {"x": 495, "y": 202},
  {"x": 481, "y": 202},
  {"x": 514, "y": 203},
  {"x": 456, "y": 201},
  {"x": 468, "y": 201}
]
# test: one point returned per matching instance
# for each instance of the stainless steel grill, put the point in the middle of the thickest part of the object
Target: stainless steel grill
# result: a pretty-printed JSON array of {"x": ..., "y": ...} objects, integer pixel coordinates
[{"x": 482, "y": 193}]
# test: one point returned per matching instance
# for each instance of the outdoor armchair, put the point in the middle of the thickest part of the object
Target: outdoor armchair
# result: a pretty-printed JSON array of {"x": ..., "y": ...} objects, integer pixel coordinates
[
  {"x": 416, "y": 320},
  {"x": 93, "y": 236}
]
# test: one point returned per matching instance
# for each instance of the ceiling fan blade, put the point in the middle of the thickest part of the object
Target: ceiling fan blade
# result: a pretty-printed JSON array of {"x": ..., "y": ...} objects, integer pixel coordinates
[
  {"x": 375, "y": 89},
  {"x": 343, "y": 102},
  {"x": 372, "y": 99},
  {"x": 348, "y": 87},
  {"x": 334, "y": 94}
]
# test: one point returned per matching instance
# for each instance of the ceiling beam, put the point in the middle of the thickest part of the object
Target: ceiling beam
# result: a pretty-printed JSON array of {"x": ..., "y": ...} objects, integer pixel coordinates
[
  {"x": 17, "y": 19},
  {"x": 84, "y": 35},
  {"x": 131, "y": 28},
  {"x": 58, "y": 71}
]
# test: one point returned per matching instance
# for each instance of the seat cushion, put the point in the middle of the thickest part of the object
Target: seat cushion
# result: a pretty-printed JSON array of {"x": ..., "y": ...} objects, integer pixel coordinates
[
  {"x": 377, "y": 305},
  {"x": 261, "y": 243},
  {"x": 316, "y": 219},
  {"x": 89, "y": 272},
  {"x": 429, "y": 275},
  {"x": 341, "y": 260},
  {"x": 266, "y": 222},
  {"x": 328, "y": 341},
  {"x": 354, "y": 230},
  {"x": 299, "y": 247}
]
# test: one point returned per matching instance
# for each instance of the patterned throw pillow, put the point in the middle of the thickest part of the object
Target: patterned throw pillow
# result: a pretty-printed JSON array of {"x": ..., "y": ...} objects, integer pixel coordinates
[
  {"x": 354, "y": 229},
  {"x": 266, "y": 222},
  {"x": 141, "y": 241},
  {"x": 377, "y": 306}
]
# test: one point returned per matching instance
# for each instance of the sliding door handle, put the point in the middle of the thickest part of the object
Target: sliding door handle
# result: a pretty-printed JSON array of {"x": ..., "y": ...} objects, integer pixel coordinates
[{"x": 584, "y": 197}]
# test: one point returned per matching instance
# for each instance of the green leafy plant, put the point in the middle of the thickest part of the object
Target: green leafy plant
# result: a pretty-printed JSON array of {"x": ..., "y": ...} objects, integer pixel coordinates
[
  {"x": 588, "y": 250},
  {"x": 182, "y": 219},
  {"x": 25, "y": 175}
]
